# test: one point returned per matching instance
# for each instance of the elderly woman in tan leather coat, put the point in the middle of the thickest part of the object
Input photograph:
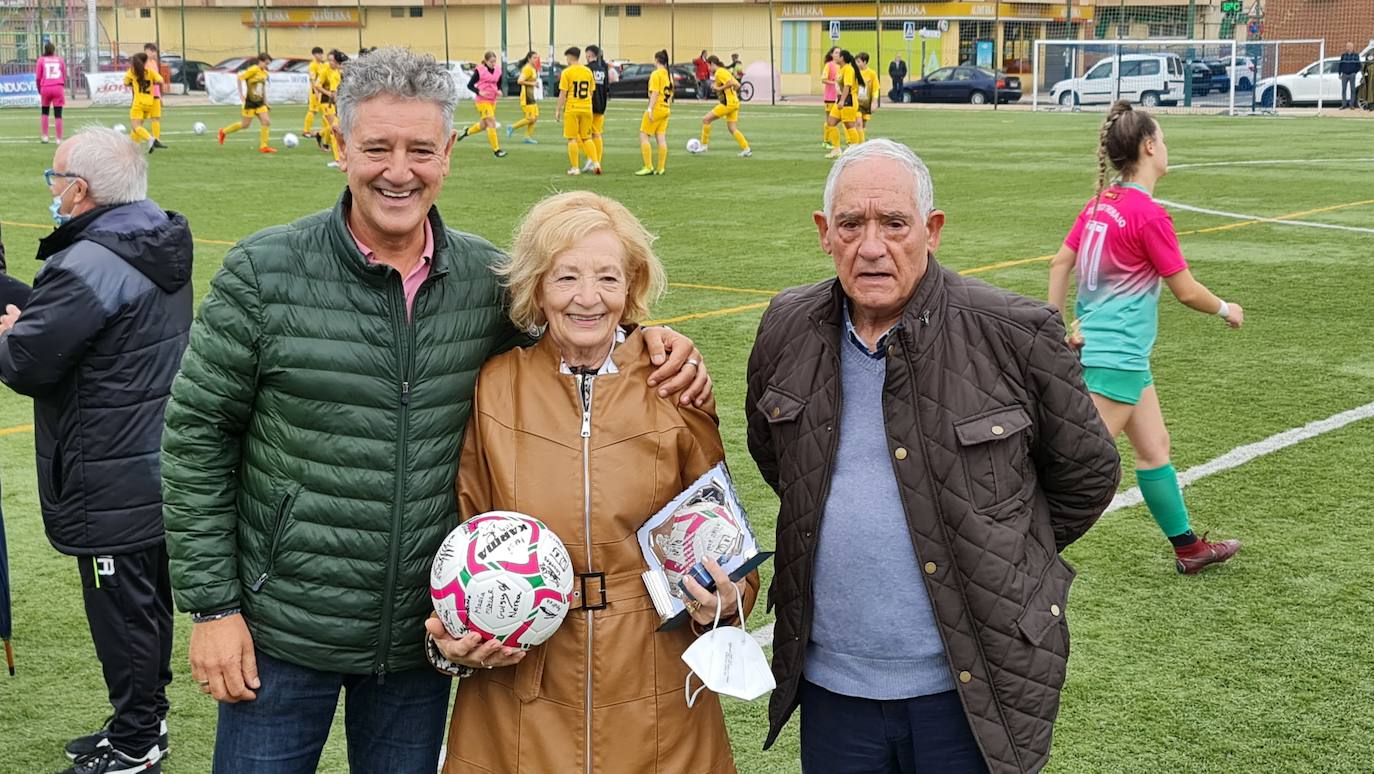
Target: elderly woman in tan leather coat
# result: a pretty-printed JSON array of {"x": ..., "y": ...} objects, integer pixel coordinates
[{"x": 569, "y": 432}]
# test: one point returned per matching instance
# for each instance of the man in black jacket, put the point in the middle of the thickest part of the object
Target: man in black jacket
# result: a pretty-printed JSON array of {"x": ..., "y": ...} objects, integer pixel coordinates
[
  {"x": 897, "y": 72},
  {"x": 96, "y": 347},
  {"x": 1349, "y": 69}
]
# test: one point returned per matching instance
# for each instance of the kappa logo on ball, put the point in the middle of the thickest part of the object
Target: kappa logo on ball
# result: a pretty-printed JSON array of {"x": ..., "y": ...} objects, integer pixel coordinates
[{"x": 504, "y": 575}]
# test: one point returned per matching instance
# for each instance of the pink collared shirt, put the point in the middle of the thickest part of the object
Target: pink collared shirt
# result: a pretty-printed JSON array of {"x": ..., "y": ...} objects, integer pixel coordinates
[{"x": 411, "y": 282}]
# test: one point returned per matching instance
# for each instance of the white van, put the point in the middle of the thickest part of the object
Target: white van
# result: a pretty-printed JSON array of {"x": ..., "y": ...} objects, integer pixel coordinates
[{"x": 1147, "y": 79}]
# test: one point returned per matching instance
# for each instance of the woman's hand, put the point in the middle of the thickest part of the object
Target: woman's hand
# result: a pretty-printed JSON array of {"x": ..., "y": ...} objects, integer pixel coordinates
[
  {"x": 1236, "y": 318},
  {"x": 680, "y": 369},
  {"x": 1075, "y": 336},
  {"x": 730, "y": 596},
  {"x": 469, "y": 650}
]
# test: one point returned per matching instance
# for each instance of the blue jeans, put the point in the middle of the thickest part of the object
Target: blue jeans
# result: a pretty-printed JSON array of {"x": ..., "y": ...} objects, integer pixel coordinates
[
  {"x": 396, "y": 726},
  {"x": 849, "y": 735}
]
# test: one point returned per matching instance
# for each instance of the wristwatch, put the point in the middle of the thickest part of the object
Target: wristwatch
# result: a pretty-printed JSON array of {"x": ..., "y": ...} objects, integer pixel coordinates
[{"x": 214, "y": 616}]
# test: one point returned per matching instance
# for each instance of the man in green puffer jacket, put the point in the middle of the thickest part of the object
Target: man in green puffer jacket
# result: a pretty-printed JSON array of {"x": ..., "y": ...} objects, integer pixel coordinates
[{"x": 312, "y": 443}]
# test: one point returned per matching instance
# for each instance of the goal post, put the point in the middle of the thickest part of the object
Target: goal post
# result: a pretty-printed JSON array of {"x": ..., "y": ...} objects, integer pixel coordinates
[{"x": 1200, "y": 76}]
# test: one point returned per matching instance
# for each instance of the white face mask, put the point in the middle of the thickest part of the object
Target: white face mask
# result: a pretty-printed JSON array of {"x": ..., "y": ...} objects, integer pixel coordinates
[{"x": 728, "y": 661}]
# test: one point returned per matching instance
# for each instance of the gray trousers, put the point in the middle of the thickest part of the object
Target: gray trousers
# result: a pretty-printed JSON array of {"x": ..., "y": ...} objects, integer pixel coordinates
[{"x": 1348, "y": 82}]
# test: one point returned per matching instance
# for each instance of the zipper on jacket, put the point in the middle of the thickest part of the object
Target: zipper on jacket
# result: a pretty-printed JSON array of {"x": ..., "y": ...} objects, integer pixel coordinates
[
  {"x": 283, "y": 508},
  {"x": 584, "y": 389},
  {"x": 406, "y": 342}
]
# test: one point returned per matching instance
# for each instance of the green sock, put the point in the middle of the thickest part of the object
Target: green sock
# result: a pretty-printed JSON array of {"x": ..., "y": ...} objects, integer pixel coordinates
[{"x": 1162, "y": 496}]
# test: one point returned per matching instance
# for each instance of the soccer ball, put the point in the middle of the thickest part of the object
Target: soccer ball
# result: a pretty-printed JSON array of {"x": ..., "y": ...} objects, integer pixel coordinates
[
  {"x": 697, "y": 532},
  {"x": 504, "y": 575},
  {"x": 121, "y": 128},
  {"x": 198, "y": 128},
  {"x": 694, "y": 145},
  {"x": 290, "y": 140}
]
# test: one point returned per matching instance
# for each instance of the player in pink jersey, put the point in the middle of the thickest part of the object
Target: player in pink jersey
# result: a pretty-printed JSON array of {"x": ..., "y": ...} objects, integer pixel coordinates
[
  {"x": 830, "y": 77},
  {"x": 1122, "y": 245},
  {"x": 51, "y": 75},
  {"x": 485, "y": 84}
]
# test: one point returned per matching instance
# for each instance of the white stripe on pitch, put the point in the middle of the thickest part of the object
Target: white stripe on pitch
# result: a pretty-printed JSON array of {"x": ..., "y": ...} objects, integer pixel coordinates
[
  {"x": 1263, "y": 162},
  {"x": 1262, "y": 219},
  {"x": 1232, "y": 459}
]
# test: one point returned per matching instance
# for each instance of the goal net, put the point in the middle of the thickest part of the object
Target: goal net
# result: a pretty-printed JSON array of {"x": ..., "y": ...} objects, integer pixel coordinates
[{"x": 1217, "y": 76}]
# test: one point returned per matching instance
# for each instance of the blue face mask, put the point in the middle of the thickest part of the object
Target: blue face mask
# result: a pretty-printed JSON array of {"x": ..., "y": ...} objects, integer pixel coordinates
[{"x": 58, "y": 217}]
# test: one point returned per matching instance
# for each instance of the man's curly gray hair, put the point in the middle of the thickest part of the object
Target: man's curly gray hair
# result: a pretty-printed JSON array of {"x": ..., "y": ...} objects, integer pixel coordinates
[{"x": 395, "y": 72}]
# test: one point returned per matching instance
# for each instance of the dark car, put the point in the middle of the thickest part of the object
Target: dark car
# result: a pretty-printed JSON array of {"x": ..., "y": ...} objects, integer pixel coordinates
[
  {"x": 194, "y": 76},
  {"x": 549, "y": 73},
  {"x": 1202, "y": 77},
  {"x": 974, "y": 85},
  {"x": 634, "y": 82}
]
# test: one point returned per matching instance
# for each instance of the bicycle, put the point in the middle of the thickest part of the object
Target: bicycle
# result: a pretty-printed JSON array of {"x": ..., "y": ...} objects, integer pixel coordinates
[{"x": 746, "y": 91}]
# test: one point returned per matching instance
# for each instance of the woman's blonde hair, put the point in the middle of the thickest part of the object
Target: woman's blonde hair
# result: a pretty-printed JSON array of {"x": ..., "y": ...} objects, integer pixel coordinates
[{"x": 555, "y": 224}]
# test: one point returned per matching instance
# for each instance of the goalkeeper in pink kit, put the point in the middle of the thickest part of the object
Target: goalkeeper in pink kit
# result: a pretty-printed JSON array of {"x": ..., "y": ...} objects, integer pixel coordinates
[{"x": 51, "y": 75}]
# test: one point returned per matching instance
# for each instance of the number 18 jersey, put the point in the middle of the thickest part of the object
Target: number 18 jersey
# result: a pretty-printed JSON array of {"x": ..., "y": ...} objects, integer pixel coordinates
[
  {"x": 1126, "y": 244},
  {"x": 577, "y": 82}
]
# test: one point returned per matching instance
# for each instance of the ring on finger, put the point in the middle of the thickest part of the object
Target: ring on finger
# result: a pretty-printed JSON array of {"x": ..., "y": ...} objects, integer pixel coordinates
[{"x": 693, "y": 362}]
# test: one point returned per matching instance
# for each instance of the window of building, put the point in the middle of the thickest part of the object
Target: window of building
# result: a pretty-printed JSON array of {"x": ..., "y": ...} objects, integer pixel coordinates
[
  {"x": 633, "y": 10},
  {"x": 612, "y": 11},
  {"x": 969, "y": 33},
  {"x": 416, "y": 11},
  {"x": 796, "y": 47},
  {"x": 1018, "y": 46},
  {"x": 145, "y": 13}
]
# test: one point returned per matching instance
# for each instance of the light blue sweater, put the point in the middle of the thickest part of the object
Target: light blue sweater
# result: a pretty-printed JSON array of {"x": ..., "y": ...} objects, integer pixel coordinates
[{"x": 873, "y": 633}]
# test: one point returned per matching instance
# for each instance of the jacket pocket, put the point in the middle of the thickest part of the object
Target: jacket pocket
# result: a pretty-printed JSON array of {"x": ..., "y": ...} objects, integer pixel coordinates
[
  {"x": 779, "y": 406},
  {"x": 280, "y": 520},
  {"x": 994, "y": 447},
  {"x": 55, "y": 472},
  {"x": 1048, "y": 604}
]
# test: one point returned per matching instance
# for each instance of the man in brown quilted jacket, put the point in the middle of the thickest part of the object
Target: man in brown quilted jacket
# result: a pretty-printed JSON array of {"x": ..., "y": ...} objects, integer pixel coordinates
[{"x": 934, "y": 449}]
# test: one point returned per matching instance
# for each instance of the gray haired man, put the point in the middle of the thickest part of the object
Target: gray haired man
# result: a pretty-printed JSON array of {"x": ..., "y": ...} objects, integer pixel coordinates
[
  {"x": 96, "y": 346},
  {"x": 934, "y": 449},
  {"x": 312, "y": 443}
]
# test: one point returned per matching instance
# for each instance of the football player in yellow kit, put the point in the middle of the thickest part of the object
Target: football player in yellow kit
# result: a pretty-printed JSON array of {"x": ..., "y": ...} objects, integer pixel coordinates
[
  {"x": 654, "y": 124},
  {"x": 727, "y": 87},
  {"x": 575, "y": 110}
]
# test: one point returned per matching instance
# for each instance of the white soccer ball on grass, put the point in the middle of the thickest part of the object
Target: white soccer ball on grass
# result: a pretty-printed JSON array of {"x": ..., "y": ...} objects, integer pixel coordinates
[
  {"x": 290, "y": 140},
  {"x": 198, "y": 128},
  {"x": 121, "y": 128},
  {"x": 694, "y": 145}
]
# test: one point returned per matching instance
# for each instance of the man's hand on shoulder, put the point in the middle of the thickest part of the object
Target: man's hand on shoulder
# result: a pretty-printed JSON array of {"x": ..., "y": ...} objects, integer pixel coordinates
[
  {"x": 9, "y": 318},
  {"x": 680, "y": 369}
]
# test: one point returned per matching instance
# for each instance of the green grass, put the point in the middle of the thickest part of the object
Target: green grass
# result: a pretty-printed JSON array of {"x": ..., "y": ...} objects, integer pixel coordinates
[{"x": 1261, "y": 665}]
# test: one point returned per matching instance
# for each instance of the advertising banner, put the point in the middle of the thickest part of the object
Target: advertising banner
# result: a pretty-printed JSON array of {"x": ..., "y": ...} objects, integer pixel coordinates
[
  {"x": 19, "y": 91},
  {"x": 108, "y": 90},
  {"x": 282, "y": 88}
]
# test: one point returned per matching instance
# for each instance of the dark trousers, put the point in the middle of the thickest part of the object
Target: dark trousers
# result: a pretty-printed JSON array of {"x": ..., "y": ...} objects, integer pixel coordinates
[
  {"x": 1348, "y": 89},
  {"x": 849, "y": 735},
  {"x": 129, "y": 607},
  {"x": 394, "y": 726}
]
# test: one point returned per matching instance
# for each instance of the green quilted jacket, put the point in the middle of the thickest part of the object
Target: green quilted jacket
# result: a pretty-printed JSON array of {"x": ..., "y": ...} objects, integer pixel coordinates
[{"x": 312, "y": 439}]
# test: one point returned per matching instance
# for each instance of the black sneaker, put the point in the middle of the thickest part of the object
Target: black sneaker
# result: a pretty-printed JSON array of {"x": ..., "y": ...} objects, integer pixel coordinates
[
  {"x": 500, "y": 154},
  {"x": 88, "y": 744},
  {"x": 108, "y": 760},
  {"x": 158, "y": 144}
]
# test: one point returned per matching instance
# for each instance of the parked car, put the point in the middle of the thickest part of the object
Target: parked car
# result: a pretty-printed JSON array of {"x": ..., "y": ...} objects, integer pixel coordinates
[
  {"x": 1320, "y": 79},
  {"x": 1244, "y": 73},
  {"x": 1202, "y": 77},
  {"x": 235, "y": 64},
  {"x": 634, "y": 82},
  {"x": 1147, "y": 79},
  {"x": 975, "y": 85},
  {"x": 194, "y": 72},
  {"x": 290, "y": 64}
]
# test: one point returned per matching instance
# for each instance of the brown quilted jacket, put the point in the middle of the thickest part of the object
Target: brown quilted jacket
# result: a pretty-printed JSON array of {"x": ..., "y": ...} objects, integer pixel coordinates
[{"x": 1001, "y": 460}]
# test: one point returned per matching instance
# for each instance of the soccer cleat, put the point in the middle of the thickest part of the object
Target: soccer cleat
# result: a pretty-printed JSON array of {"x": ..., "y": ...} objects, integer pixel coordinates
[
  {"x": 90, "y": 743},
  {"x": 151, "y": 146},
  {"x": 43, "y": 139},
  {"x": 746, "y": 153},
  {"x": 645, "y": 171},
  {"x": 333, "y": 165},
  {"x": 499, "y": 154},
  {"x": 827, "y": 146},
  {"x": 596, "y": 170},
  {"x": 510, "y": 130},
  {"x": 107, "y": 760},
  {"x": 660, "y": 171},
  {"x": 1192, "y": 559},
  {"x": 267, "y": 149},
  {"x": 221, "y": 137},
  {"x": 461, "y": 136},
  {"x": 834, "y": 154},
  {"x": 574, "y": 171},
  {"x": 587, "y": 166},
  {"x": 702, "y": 149},
  {"x": 531, "y": 141},
  {"x": 158, "y": 144}
]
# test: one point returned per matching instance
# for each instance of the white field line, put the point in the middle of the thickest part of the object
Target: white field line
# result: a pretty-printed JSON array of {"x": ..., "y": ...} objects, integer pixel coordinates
[
  {"x": 1262, "y": 219},
  {"x": 1231, "y": 459},
  {"x": 1264, "y": 162}
]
